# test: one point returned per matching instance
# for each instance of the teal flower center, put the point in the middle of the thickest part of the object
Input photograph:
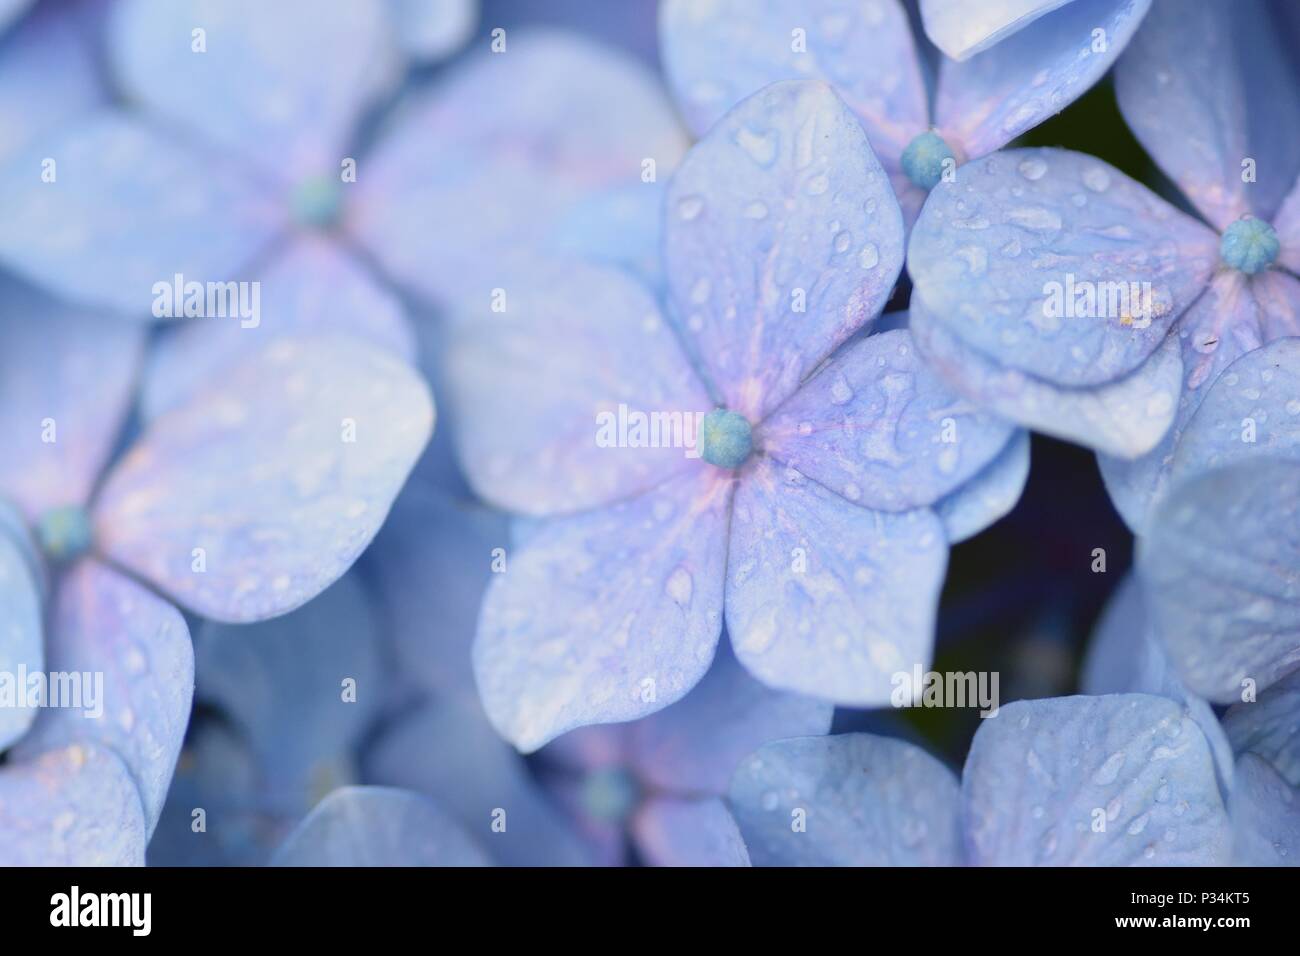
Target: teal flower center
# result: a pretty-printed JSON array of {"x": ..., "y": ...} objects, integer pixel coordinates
[
  {"x": 925, "y": 158},
  {"x": 1249, "y": 245},
  {"x": 726, "y": 438},
  {"x": 317, "y": 202},
  {"x": 610, "y": 794},
  {"x": 64, "y": 533}
]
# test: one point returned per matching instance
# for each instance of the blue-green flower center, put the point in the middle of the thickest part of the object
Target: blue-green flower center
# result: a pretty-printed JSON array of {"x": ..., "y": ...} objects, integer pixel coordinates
[
  {"x": 1249, "y": 245},
  {"x": 925, "y": 159},
  {"x": 64, "y": 533},
  {"x": 317, "y": 202},
  {"x": 610, "y": 794},
  {"x": 726, "y": 438}
]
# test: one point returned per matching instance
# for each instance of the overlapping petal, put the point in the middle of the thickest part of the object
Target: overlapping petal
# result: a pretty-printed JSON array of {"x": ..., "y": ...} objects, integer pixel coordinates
[
  {"x": 988, "y": 496},
  {"x": 672, "y": 831},
  {"x": 22, "y": 646},
  {"x": 326, "y": 431},
  {"x": 1270, "y": 726},
  {"x": 1265, "y": 817},
  {"x": 782, "y": 238},
  {"x": 961, "y": 30}
]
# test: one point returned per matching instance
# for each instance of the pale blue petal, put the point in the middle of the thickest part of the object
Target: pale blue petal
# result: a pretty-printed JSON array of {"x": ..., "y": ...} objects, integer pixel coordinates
[
  {"x": 621, "y": 226},
  {"x": 848, "y": 800},
  {"x": 608, "y": 615},
  {"x": 782, "y": 238},
  {"x": 106, "y": 625},
  {"x": 1120, "y": 780},
  {"x": 35, "y": 100},
  {"x": 1221, "y": 567},
  {"x": 303, "y": 689},
  {"x": 1287, "y": 225},
  {"x": 961, "y": 29},
  {"x": 1125, "y": 417},
  {"x": 433, "y": 29},
  {"x": 990, "y": 495},
  {"x": 281, "y": 471},
  {"x": 502, "y": 147},
  {"x": 699, "y": 832},
  {"x": 540, "y": 392},
  {"x": 130, "y": 208},
  {"x": 66, "y": 375},
  {"x": 695, "y": 745},
  {"x": 825, "y": 597},
  {"x": 312, "y": 286},
  {"x": 72, "y": 806},
  {"x": 447, "y": 750},
  {"x": 1000, "y": 254},
  {"x": 1126, "y": 656},
  {"x": 428, "y": 567},
  {"x": 1251, "y": 411},
  {"x": 988, "y": 100},
  {"x": 378, "y": 826},
  {"x": 1265, "y": 817},
  {"x": 260, "y": 91},
  {"x": 22, "y": 648},
  {"x": 718, "y": 53},
  {"x": 11, "y": 10},
  {"x": 1206, "y": 86},
  {"x": 879, "y": 427},
  {"x": 1223, "y": 324},
  {"x": 1270, "y": 726}
]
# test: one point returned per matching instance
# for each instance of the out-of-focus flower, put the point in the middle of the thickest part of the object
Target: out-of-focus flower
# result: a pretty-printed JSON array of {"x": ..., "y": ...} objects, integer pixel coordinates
[
  {"x": 716, "y": 52},
  {"x": 241, "y": 504},
  {"x": 1123, "y": 779},
  {"x": 814, "y": 494},
  {"x": 1047, "y": 283}
]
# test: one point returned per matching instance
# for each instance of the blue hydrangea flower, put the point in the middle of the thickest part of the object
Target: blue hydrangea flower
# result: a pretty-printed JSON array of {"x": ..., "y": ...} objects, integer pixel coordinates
[
  {"x": 232, "y": 155},
  {"x": 1010, "y": 65},
  {"x": 657, "y": 785},
  {"x": 1122, "y": 779},
  {"x": 232, "y": 542},
  {"x": 1212, "y": 94},
  {"x": 782, "y": 240}
]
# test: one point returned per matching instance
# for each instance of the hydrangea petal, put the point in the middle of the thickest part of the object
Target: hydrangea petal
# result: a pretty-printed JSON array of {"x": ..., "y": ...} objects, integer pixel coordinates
[
  {"x": 1221, "y": 564},
  {"x": 432, "y": 29},
  {"x": 503, "y": 147},
  {"x": 988, "y": 100},
  {"x": 1223, "y": 324},
  {"x": 1287, "y": 226},
  {"x": 1265, "y": 817},
  {"x": 34, "y": 99},
  {"x": 328, "y": 430},
  {"x": 1125, "y": 656},
  {"x": 878, "y": 421},
  {"x": 303, "y": 688},
  {"x": 782, "y": 238},
  {"x": 429, "y": 566},
  {"x": 825, "y": 597},
  {"x": 106, "y": 624},
  {"x": 695, "y": 745},
  {"x": 1057, "y": 264},
  {"x": 1126, "y": 417},
  {"x": 962, "y": 29},
  {"x": 696, "y": 832},
  {"x": 447, "y": 750},
  {"x": 11, "y": 10},
  {"x": 1043, "y": 775},
  {"x": 622, "y": 226},
  {"x": 257, "y": 90},
  {"x": 990, "y": 495},
  {"x": 313, "y": 286},
  {"x": 633, "y": 610},
  {"x": 71, "y": 806},
  {"x": 1207, "y": 86},
  {"x": 131, "y": 208},
  {"x": 541, "y": 429},
  {"x": 718, "y": 53},
  {"x": 1270, "y": 726},
  {"x": 863, "y": 801},
  {"x": 66, "y": 375},
  {"x": 378, "y": 826},
  {"x": 1252, "y": 410},
  {"x": 22, "y": 647}
]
